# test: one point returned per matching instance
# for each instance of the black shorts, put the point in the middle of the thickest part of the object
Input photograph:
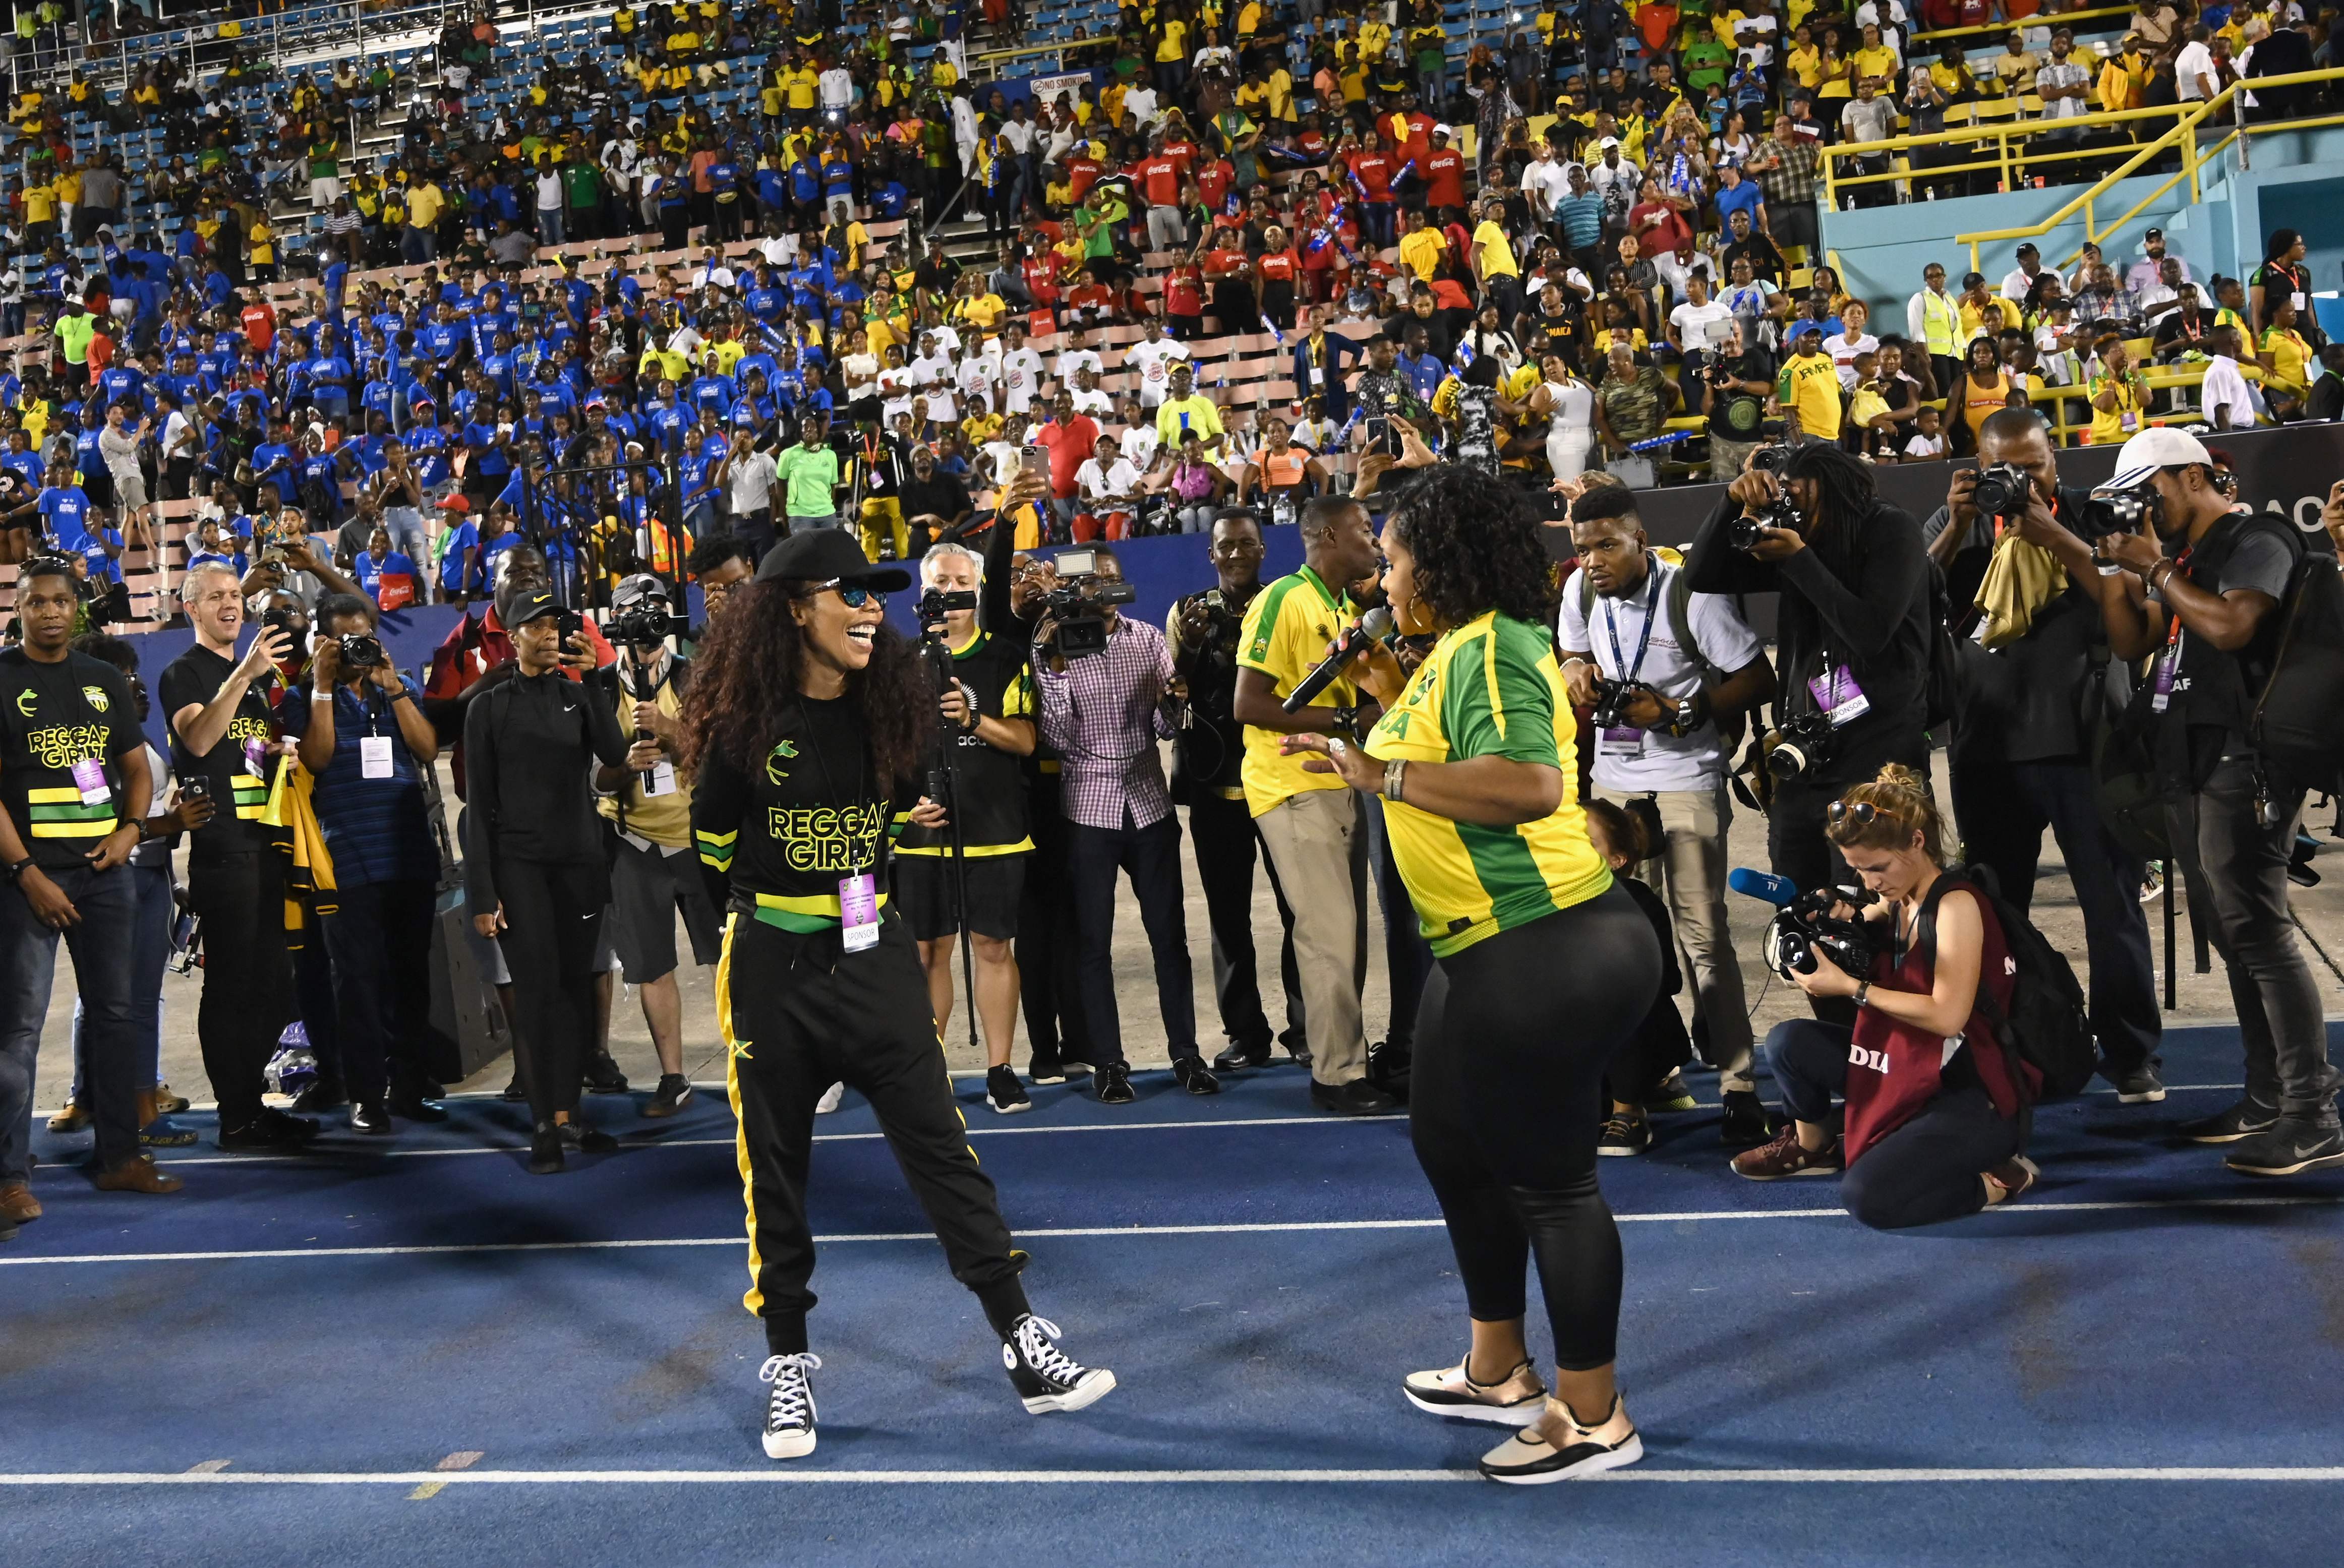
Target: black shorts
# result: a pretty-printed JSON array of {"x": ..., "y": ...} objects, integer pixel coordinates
[
  {"x": 925, "y": 893},
  {"x": 98, "y": 487}
]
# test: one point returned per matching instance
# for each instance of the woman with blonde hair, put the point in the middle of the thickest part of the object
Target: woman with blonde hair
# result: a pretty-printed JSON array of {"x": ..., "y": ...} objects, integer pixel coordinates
[{"x": 1934, "y": 1115}]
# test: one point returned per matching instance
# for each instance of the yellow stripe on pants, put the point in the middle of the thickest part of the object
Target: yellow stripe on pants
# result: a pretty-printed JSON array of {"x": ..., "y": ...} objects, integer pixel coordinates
[{"x": 755, "y": 1299}]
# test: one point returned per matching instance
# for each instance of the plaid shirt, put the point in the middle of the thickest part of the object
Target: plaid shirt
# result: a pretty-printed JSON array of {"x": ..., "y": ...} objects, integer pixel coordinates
[
  {"x": 1102, "y": 718},
  {"x": 1790, "y": 175}
]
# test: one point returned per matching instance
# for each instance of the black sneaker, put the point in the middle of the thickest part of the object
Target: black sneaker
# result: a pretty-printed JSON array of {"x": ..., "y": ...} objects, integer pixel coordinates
[
  {"x": 415, "y": 1108},
  {"x": 270, "y": 1130},
  {"x": 2135, "y": 1086},
  {"x": 2243, "y": 1120},
  {"x": 789, "y": 1408},
  {"x": 1194, "y": 1076},
  {"x": 1356, "y": 1097},
  {"x": 1004, "y": 1092},
  {"x": 514, "y": 1094},
  {"x": 586, "y": 1139},
  {"x": 545, "y": 1156},
  {"x": 603, "y": 1077},
  {"x": 1045, "y": 1376},
  {"x": 1241, "y": 1058},
  {"x": 674, "y": 1088},
  {"x": 1670, "y": 1094},
  {"x": 1114, "y": 1084},
  {"x": 1045, "y": 1068},
  {"x": 1746, "y": 1125},
  {"x": 1624, "y": 1132},
  {"x": 2291, "y": 1146}
]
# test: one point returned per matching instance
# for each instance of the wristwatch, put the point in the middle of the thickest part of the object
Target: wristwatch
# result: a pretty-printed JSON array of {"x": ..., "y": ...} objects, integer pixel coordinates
[
  {"x": 16, "y": 869},
  {"x": 1689, "y": 714},
  {"x": 1347, "y": 721}
]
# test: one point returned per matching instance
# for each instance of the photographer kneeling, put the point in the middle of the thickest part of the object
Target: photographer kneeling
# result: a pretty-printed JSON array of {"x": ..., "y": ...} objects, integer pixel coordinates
[
  {"x": 1933, "y": 1110},
  {"x": 1852, "y": 637}
]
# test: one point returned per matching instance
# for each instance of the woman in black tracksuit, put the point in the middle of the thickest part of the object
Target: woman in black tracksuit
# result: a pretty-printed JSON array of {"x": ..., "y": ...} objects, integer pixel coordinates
[
  {"x": 804, "y": 726},
  {"x": 534, "y": 873}
]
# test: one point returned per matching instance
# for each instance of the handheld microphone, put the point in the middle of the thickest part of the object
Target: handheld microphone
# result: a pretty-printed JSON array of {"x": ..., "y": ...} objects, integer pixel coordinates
[
  {"x": 1765, "y": 886},
  {"x": 1373, "y": 627}
]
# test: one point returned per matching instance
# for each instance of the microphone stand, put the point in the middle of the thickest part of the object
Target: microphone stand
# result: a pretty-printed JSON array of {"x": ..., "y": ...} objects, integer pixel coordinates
[{"x": 943, "y": 787}]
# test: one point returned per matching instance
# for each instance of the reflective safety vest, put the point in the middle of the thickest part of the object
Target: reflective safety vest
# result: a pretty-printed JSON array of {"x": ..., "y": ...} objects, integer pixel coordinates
[{"x": 1941, "y": 323}]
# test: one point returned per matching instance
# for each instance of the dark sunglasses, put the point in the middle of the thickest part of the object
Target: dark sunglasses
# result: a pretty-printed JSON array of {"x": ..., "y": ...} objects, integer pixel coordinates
[
  {"x": 1841, "y": 812},
  {"x": 856, "y": 594}
]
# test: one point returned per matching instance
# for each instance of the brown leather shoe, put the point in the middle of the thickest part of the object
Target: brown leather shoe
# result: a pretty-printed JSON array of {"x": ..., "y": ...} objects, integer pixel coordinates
[
  {"x": 18, "y": 1205},
  {"x": 138, "y": 1174}
]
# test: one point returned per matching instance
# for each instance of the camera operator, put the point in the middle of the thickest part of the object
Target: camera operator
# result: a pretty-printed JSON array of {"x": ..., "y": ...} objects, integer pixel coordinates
[
  {"x": 1851, "y": 635},
  {"x": 985, "y": 703},
  {"x": 74, "y": 778},
  {"x": 224, "y": 735},
  {"x": 647, "y": 799},
  {"x": 1740, "y": 379},
  {"x": 1204, "y": 630},
  {"x": 535, "y": 878},
  {"x": 1933, "y": 1103},
  {"x": 2020, "y": 759},
  {"x": 1104, "y": 712},
  {"x": 1309, "y": 822},
  {"x": 1657, "y": 741},
  {"x": 365, "y": 741},
  {"x": 2201, "y": 585}
]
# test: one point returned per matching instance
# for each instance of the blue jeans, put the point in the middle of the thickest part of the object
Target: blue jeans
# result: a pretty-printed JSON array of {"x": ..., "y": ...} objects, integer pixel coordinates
[
  {"x": 549, "y": 225},
  {"x": 100, "y": 942},
  {"x": 150, "y": 951},
  {"x": 418, "y": 246}
]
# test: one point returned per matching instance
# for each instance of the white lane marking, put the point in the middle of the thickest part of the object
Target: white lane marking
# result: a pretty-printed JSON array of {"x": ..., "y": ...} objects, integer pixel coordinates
[
  {"x": 1683, "y": 1216},
  {"x": 324, "y": 1157},
  {"x": 2328, "y": 1474}
]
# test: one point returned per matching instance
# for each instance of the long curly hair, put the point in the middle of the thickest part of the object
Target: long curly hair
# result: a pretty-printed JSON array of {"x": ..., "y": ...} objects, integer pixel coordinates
[
  {"x": 745, "y": 681},
  {"x": 1476, "y": 546}
]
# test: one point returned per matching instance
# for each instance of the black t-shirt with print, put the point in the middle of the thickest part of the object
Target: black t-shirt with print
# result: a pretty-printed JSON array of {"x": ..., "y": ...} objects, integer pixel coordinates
[
  {"x": 52, "y": 716},
  {"x": 238, "y": 767}
]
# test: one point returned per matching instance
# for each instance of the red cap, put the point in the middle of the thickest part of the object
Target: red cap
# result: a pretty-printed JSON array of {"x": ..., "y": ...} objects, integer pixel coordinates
[{"x": 455, "y": 504}]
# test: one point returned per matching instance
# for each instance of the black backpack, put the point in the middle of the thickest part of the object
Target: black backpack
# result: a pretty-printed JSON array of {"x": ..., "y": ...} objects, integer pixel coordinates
[
  {"x": 2297, "y": 725},
  {"x": 2048, "y": 1025}
]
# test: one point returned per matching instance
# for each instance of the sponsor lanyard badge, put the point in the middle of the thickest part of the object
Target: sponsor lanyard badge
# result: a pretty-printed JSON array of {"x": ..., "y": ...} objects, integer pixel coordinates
[
  {"x": 90, "y": 778},
  {"x": 858, "y": 912},
  {"x": 1842, "y": 701}
]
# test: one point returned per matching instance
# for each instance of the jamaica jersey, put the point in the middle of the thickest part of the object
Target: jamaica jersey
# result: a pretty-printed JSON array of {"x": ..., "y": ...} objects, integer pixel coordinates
[
  {"x": 777, "y": 838},
  {"x": 53, "y": 716},
  {"x": 1287, "y": 629},
  {"x": 1489, "y": 687},
  {"x": 238, "y": 768},
  {"x": 992, "y": 799}
]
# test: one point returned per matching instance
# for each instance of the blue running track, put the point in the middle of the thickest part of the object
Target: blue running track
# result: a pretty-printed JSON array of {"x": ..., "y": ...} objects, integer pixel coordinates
[{"x": 418, "y": 1354}]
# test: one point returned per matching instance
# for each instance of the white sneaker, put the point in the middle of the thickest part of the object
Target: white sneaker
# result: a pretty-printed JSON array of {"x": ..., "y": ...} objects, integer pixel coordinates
[
  {"x": 829, "y": 1099},
  {"x": 789, "y": 1408},
  {"x": 1560, "y": 1449}
]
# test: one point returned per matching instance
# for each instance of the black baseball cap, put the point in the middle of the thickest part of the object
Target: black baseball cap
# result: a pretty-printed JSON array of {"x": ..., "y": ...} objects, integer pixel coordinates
[
  {"x": 821, "y": 555},
  {"x": 534, "y": 605}
]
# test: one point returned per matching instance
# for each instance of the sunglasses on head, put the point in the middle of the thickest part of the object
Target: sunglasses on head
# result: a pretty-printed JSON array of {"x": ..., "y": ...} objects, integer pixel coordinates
[
  {"x": 1861, "y": 812},
  {"x": 856, "y": 595}
]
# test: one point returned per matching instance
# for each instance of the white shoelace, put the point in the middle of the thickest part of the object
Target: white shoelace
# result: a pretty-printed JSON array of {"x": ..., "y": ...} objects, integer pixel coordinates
[
  {"x": 792, "y": 1401},
  {"x": 1033, "y": 1337}
]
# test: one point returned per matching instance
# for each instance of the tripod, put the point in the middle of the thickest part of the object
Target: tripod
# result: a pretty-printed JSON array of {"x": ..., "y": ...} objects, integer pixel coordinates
[{"x": 944, "y": 787}]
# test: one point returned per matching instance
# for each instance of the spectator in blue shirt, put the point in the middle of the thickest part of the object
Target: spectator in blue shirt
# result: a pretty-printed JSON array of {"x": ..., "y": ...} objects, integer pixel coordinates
[{"x": 379, "y": 562}]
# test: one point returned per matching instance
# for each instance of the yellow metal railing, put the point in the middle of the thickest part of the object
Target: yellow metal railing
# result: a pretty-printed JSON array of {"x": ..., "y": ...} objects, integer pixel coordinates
[
  {"x": 2195, "y": 120},
  {"x": 2017, "y": 25},
  {"x": 2011, "y": 158}
]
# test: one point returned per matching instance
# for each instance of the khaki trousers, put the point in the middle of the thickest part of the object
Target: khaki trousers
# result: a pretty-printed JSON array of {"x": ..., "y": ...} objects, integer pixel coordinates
[{"x": 1312, "y": 839}]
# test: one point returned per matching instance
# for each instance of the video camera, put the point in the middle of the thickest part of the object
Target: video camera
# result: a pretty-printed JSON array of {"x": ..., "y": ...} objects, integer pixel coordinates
[
  {"x": 1807, "y": 926},
  {"x": 1078, "y": 605},
  {"x": 937, "y": 603},
  {"x": 646, "y": 626},
  {"x": 1743, "y": 532}
]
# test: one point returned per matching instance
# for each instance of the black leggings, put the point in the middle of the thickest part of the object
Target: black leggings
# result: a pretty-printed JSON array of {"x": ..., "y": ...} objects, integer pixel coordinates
[
  {"x": 1925, "y": 1170},
  {"x": 1506, "y": 1103},
  {"x": 553, "y": 915}
]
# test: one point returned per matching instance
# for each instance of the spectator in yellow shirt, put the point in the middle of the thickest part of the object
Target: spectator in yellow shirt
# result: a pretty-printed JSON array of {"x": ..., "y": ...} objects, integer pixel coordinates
[
  {"x": 264, "y": 250},
  {"x": 1875, "y": 59},
  {"x": 1422, "y": 247}
]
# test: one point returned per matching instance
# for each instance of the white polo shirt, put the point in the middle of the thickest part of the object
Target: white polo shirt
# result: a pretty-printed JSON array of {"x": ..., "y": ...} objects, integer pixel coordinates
[{"x": 1653, "y": 760}]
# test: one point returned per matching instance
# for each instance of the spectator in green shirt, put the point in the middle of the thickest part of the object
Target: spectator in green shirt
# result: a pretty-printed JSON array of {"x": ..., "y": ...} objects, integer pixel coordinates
[
  {"x": 809, "y": 476},
  {"x": 581, "y": 182}
]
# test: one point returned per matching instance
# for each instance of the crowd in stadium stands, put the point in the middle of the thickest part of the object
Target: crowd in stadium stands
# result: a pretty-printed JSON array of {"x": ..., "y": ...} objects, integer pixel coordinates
[{"x": 1596, "y": 232}]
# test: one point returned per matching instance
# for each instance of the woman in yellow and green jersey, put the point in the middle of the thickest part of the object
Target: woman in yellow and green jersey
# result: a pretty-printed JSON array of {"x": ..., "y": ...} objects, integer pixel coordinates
[{"x": 1543, "y": 966}]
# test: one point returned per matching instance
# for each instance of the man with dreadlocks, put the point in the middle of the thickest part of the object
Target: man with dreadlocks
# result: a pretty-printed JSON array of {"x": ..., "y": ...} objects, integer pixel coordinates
[{"x": 804, "y": 724}]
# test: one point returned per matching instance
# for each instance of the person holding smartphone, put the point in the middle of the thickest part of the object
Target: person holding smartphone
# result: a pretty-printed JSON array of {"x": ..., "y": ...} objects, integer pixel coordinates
[{"x": 534, "y": 871}]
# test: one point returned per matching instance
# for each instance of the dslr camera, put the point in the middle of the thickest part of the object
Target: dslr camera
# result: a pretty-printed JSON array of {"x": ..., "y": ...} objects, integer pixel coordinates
[
  {"x": 1807, "y": 926},
  {"x": 2110, "y": 511},
  {"x": 2003, "y": 490},
  {"x": 361, "y": 650},
  {"x": 1611, "y": 700},
  {"x": 646, "y": 625},
  {"x": 1078, "y": 605},
  {"x": 1743, "y": 532},
  {"x": 1801, "y": 745}
]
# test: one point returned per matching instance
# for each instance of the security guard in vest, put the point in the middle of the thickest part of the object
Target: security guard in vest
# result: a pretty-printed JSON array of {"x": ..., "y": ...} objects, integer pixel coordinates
[{"x": 1934, "y": 317}]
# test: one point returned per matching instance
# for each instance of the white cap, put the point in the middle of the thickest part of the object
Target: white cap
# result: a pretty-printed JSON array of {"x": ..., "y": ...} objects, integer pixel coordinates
[
  {"x": 1609, "y": 142},
  {"x": 1443, "y": 131},
  {"x": 2154, "y": 448}
]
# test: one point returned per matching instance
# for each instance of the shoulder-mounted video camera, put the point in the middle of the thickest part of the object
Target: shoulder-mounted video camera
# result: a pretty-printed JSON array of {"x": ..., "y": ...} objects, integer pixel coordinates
[{"x": 1078, "y": 605}]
